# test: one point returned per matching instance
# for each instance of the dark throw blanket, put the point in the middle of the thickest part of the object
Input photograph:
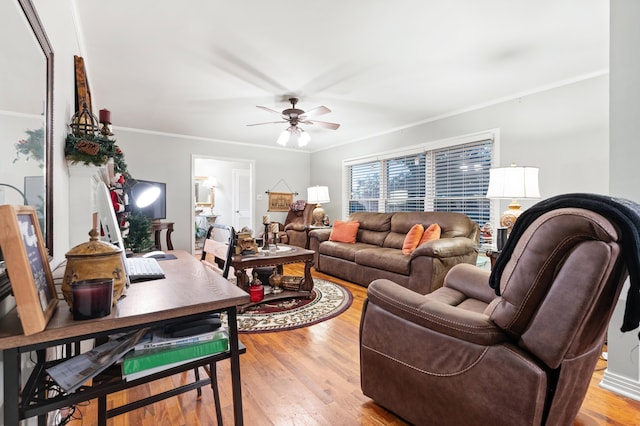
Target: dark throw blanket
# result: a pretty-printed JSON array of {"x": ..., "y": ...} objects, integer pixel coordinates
[{"x": 624, "y": 213}]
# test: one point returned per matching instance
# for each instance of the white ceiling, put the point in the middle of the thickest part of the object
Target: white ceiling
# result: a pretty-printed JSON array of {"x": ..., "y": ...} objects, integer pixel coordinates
[{"x": 200, "y": 67}]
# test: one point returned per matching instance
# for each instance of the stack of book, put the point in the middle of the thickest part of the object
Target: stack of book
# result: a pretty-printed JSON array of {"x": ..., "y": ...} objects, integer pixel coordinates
[{"x": 159, "y": 351}]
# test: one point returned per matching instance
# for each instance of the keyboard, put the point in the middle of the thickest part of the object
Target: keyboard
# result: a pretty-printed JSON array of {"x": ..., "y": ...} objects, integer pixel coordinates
[{"x": 143, "y": 269}]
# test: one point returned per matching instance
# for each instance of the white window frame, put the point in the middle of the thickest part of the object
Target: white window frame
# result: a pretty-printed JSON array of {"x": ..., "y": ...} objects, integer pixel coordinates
[{"x": 424, "y": 148}]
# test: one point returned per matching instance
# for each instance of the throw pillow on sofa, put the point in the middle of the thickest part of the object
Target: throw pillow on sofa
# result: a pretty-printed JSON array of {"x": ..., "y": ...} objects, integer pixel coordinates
[
  {"x": 344, "y": 232},
  {"x": 412, "y": 238},
  {"x": 431, "y": 233}
]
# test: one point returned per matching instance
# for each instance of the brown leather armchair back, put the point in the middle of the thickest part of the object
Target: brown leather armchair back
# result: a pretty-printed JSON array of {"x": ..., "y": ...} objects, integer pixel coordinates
[
  {"x": 296, "y": 226},
  {"x": 462, "y": 355},
  {"x": 558, "y": 270}
]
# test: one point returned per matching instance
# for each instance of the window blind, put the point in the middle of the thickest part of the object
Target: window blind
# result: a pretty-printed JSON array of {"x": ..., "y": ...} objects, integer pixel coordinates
[{"x": 450, "y": 178}]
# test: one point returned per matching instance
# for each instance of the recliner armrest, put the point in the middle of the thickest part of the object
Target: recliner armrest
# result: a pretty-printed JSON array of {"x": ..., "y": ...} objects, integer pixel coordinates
[
  {"x": 445, "y": 247},
  {"x": 471, "y": 281},
  {"x": 320, "y": 234},
  {"x": 437, "y": 311},
  {"x": 296, "y": 227}
]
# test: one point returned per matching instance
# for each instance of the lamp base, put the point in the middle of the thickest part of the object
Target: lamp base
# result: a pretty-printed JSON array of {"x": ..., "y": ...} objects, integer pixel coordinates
[
  {"x": 509, "y": 217},
  {"x": 318, "y": 216}
]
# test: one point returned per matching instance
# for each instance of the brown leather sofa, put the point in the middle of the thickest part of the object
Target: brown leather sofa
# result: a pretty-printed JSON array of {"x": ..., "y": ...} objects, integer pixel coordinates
[
  {"x": 463, "y": 355},
  {"x": 377, "y": 252}
]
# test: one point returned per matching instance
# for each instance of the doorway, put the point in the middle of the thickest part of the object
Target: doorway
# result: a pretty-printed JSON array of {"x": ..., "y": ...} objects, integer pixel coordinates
[{"x": 222, "y": 192}]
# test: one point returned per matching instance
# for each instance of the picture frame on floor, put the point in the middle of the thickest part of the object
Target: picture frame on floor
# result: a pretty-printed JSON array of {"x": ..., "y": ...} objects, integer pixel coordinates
[{"x": 27, "y": 265}]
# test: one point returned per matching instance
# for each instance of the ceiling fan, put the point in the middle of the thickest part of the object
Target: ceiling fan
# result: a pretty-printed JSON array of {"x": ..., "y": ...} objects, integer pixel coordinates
[{"x": 295, "y": 116}]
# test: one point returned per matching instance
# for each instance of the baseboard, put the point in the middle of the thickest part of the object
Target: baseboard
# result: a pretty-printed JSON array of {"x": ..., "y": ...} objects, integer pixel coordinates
[{"x": 621, "y": 385}]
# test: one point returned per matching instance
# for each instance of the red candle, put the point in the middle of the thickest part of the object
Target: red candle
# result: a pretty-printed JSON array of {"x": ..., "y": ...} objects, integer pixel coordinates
[{"x": 105, "y": 116}]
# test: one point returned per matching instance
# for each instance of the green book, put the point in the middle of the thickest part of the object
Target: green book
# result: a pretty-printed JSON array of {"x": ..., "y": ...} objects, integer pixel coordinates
[{"x": 135, "y": 361}]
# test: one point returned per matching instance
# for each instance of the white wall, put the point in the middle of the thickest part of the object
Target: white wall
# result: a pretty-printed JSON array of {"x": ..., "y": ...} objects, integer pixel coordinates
[
  {"x": 623, "y": 368},
  {"x": 564, "y": 131},
  {"x": 167, "y": 158}
]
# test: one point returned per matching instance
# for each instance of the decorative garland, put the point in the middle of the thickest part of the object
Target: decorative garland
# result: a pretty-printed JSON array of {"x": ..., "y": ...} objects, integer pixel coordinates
[
  {"x": 95, "y": 150},
  {"x": 32, "y": 146}
]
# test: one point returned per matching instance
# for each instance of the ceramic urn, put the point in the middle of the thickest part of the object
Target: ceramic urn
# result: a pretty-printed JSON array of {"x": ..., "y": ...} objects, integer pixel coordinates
[{"x": 95, "y": 259}]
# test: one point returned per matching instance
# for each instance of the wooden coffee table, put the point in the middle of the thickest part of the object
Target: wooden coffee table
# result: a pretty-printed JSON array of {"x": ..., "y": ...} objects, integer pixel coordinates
[{"x": 285, "y": 255}]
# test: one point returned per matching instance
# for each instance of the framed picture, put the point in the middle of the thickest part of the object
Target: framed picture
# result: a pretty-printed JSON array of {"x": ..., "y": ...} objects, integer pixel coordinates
[
  {"x": 280, "y": 201},
  {"x": 27, "y": 266}
]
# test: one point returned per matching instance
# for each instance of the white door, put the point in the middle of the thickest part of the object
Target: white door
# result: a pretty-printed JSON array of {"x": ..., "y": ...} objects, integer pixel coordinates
[{"x": 241, "y": 205}]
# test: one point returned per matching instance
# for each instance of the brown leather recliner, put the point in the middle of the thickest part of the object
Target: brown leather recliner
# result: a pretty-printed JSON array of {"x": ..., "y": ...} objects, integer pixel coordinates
[
  {"x": 463, "y": 355},
  {"x": 295, "y": 230}
]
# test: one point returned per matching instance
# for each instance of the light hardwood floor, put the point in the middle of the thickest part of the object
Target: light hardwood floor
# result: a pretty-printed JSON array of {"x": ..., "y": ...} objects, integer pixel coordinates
[{"x": 310, "y": 376}]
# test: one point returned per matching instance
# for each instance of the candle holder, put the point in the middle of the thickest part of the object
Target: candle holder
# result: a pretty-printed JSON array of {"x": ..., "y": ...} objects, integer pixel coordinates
[
  {"x": 265, "y": 244},
  {"x": 105, "y": 121}
]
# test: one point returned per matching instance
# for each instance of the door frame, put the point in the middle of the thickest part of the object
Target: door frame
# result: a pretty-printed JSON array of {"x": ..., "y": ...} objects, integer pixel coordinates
[{"x": 250, "y": 165}]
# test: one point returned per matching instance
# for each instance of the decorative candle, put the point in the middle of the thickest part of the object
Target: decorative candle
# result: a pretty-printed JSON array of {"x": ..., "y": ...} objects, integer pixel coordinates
[
  {"x": 91, "y": 298},
  {"x": 266, "y": 219},
  {"x": 105, "y": 116}
]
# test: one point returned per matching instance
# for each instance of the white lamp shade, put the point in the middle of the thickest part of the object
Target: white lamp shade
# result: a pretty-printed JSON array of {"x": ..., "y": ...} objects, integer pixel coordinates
[
  {"x": 513, "y": 182},
  {"x": 303, "y": 138},
  {"x": 283, "y": 138},
  {"x": 318, "y": 194}
]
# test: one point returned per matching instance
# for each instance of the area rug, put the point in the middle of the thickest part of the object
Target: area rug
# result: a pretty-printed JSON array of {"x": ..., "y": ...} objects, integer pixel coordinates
[{"x": 329, "y": 300}]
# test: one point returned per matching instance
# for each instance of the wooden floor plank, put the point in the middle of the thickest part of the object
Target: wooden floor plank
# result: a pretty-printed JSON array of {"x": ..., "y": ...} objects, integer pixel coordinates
[{"x": 310, "y": 376}]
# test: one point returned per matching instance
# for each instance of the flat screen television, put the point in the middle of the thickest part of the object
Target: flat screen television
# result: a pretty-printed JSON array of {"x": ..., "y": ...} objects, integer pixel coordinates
[{"x": 158, "y": 208}]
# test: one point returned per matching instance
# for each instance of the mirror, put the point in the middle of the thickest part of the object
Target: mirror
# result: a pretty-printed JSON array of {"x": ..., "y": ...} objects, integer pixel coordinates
[
  {"x": 204, "y": 192},
  {"x": 26, "y": 115}
]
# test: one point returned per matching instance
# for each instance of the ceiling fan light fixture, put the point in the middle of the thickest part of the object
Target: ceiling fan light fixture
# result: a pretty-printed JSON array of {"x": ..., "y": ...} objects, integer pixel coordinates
[
  {"x": 303, "y": 138},
  {"x": 283, "y": 138}
]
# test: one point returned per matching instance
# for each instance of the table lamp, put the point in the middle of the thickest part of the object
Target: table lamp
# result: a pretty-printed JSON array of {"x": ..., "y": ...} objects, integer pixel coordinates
[
  {"x": 318, "y": 195},
  {"x": 511, "y": 183}
]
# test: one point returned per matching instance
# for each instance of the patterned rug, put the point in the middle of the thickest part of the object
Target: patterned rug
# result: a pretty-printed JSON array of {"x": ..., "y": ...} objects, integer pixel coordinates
[{"x": 329, "y": 300}]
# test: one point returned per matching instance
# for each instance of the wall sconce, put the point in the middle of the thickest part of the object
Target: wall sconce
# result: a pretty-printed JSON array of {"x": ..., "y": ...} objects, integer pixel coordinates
[
  {"x": 318, "y": 195},
  {"x": 511, "y": 183}
]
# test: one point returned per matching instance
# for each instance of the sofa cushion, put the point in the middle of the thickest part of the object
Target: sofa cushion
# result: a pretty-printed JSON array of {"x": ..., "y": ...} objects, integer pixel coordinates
[
  {"x": 346, "y": 251},
  {"x": 374, "y": 227},
  {"x": 430, "y": 234},
  {"x": 412, "y": 239},
  {"x": 387, "y": 259},
  {"x": 344, "y": 232}
]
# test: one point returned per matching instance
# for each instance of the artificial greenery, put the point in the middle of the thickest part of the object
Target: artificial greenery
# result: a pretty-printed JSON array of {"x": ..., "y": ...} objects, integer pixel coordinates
[
  {"x": 32, "y": 146},
  {"x": 138, "y": 239},
  {"x": 95, "y": 150}
]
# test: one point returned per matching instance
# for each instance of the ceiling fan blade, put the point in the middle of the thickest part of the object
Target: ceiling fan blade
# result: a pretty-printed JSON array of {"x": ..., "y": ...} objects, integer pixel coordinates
[
  {"x": 321, "y": 110},
  {"x": 268, "y": 122},
  {"x": 332, "y": 126},
  {"x": 269, "y": 110}
]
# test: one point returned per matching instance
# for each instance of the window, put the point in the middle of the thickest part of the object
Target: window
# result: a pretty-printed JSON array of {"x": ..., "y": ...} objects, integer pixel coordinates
[{"x": 453, "y": 177}]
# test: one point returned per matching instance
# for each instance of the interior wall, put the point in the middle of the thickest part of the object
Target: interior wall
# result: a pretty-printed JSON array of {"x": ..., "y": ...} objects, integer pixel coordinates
[
  {"x": 563, "y": 131},
  {"x": 167, "y": 158}
]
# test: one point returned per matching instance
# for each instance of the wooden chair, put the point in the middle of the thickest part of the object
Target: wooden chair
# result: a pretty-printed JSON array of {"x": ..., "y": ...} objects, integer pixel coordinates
[
  {"x": 218, "y": 248},
  {"x": 216, "y": 255}
]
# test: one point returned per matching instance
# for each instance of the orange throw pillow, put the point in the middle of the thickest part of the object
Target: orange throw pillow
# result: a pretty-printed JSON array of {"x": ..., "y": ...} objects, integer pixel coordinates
[
  {"x": 431, "y": 233},
  {"x": 412, "y": 238},
  {"x": 344, "y": 232}
]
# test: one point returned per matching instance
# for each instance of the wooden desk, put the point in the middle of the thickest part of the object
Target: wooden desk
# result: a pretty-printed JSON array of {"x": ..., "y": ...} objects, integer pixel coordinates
[
  {"x": 190, "y": 290},
  {"x": 157, "y": 227}
]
